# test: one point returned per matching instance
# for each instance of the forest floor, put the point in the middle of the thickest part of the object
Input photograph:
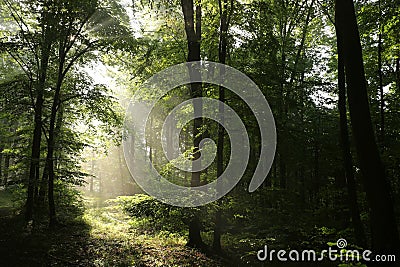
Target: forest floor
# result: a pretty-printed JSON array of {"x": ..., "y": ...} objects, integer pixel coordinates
[
  {"x": 98, "y": 234},
  {"x": 101, "y": 236}
]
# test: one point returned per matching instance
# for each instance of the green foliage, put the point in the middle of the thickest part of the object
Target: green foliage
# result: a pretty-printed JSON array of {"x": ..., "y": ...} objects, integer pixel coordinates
[
  {"x": 159, "y": 215},
  {"x": 287, "y": 48}
]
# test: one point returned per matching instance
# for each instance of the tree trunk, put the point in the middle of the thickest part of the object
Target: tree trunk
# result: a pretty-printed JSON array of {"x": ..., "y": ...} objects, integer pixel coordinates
[
  {"x": 43, "y": 184},
  {"x": 50, "y": 159},
  {"x": 385, "y": 236},
  {"x": 222, "y": 52},
  {"x": 37, "y": 132},
  {"x": 52, "y": 135},
  {"x": 299, "y": 53},
  {"x": 347, "y": 158},
  {"x": 193, "y": 34},
  {"x": 316, "y": 173},
  {"x": 121, "y": 169},
  {"x": 380, "y": 74}
]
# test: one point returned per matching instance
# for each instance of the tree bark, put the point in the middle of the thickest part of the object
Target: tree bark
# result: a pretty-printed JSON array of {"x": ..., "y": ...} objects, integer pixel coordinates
[
  {"x": 193, "y": 33},
  {"x": 380, "y": 74},
  {"x": 345, "y": 144},
  {"x": 385, "y": 236},
  {"x": 92, "y": 173},
  {"x": 37, "y": 132},
  {"x": 50, "y": 149},
  {"x": 43, "y": 185},
  {"x": 121, "y": 168},
  {"x": 222, "y": 53},
  {"x": 56, "y": 117}
]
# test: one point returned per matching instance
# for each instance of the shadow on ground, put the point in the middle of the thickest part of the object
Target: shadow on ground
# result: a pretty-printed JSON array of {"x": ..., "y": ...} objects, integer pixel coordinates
[
  {"x": 98, "y": 235},
  {"x": 101, "y": 234}
]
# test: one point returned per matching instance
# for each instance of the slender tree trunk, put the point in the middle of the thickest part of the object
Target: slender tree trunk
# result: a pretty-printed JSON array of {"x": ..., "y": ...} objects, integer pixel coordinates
[
  {"x": 381, "y": 95},
  {"x": 283, "y": 118},
  {"x": 100, "y": 178},
  {"x": 282, "y": 115},
  {"x": 380, "y": 74},
  {"x": 222, "y": 53},
  {"x": 43, "y": 184},
  {"x": 193, "y": 33},
  {"x": 45, "y": 177},
  {"x": 347, "y": 158},
  {"x": 316, "y": 181},
  {"x": 37, "y": 132},
  {"x": 92, "y": 174},
  {"x": 50, "y": 165},
  {"x": 385, "y": 236},
  {"x": 120, "y": 168},
  {"x": 58, "y": 132},
  {"x": 52, "y": 135},
  {"x": 299, "y": 52}
]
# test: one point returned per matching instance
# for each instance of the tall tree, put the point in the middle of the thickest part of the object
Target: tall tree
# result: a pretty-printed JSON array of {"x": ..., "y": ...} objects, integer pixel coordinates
[
  {"x": 72, "y": 17},
  {"x": 380, "y": 74},
  {"x": 385, "y": 236},
  {"x": 345, "y": 144},
  {"x": 225, "y": 13},
  {"x": 192, "y": 19},
  {"x": 42, "y": 58}
]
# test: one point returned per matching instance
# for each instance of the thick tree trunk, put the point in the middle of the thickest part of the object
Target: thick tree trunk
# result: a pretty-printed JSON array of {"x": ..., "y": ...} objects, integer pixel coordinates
[
  {"x": 385, "y": 236},
  {"x": 347, "y": 158}
]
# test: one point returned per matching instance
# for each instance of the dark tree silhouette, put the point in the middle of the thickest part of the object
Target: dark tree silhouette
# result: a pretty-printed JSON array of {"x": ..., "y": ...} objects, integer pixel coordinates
[{"x": 385, "y": 237}]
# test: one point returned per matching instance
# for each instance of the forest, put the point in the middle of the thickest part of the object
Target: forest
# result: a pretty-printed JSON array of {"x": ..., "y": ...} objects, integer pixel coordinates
[{"x": 276, "y": 143}]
